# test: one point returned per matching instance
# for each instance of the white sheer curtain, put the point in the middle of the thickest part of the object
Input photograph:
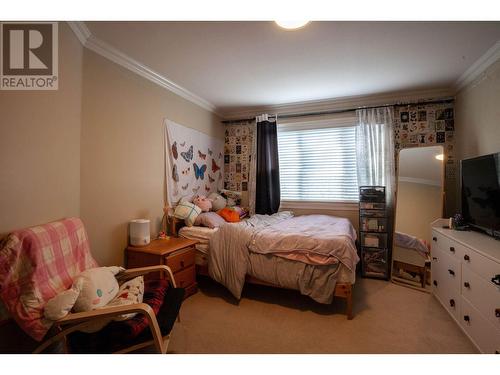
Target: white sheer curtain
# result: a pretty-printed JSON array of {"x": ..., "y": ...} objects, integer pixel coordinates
[
  {"x": 375, "y": 147},
  {"x": 375, "y": 154}
]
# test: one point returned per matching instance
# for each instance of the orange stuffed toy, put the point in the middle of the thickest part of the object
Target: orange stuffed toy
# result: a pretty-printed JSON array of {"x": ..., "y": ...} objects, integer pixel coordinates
[{"x": 230, "y": 215}]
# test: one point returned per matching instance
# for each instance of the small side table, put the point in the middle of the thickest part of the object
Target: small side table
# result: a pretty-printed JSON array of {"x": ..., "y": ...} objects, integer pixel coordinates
[{"x": 177, "y": 253}]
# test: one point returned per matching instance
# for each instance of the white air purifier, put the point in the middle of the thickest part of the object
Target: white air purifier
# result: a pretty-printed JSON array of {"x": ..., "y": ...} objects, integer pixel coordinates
[{"x": 139, "y": 232}]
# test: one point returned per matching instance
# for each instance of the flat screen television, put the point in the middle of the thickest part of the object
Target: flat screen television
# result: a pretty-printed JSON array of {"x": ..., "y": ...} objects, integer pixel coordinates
[{"x": 481, "y": 193}]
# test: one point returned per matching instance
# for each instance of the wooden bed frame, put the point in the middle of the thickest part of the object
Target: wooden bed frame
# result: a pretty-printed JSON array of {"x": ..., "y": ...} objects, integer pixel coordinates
[{"x": 342, "y": 290}]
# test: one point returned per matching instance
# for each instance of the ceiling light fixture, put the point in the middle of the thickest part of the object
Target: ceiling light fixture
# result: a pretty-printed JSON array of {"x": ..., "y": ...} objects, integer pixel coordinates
[
  {"x": 291, "y": 25},
  {"x": 439, "y": 157}
]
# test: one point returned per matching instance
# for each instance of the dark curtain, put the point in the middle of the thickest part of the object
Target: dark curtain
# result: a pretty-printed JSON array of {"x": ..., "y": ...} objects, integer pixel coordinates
[{"x": 267, "y": 188}]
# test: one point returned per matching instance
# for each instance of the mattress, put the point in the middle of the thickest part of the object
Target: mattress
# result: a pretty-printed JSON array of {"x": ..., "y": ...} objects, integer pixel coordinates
[{"x": 200, "y": 234}]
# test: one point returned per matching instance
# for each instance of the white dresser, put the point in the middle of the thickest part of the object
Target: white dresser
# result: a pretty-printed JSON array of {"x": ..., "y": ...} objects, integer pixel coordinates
[{"x": 466, "y": 280}]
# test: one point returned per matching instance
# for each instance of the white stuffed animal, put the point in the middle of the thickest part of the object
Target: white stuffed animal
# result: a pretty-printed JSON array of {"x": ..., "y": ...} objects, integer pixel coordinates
[{"x": 93, "y": 288}]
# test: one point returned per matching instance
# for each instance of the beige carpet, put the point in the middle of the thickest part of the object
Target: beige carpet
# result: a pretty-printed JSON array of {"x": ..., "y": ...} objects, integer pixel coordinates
[{"x": 388, "y": 319}]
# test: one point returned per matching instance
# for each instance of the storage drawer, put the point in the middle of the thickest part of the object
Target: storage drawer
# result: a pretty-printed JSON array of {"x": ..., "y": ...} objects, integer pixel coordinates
[
  {"x": 373, "y": 213},
  {"x": 186, "y": 277},
  {"x": 371, "y": 206},
  {"x": 375, "y": 240},
  {"x": 372, "y": 194},
  {"x": 450, "y": 270},
  {"x": 374, "y": 262},
  {"x": 482, "y": 295},
  {"x": 447, "y": 245},
  {"x": 482, "y": 266},
  {"x": 446, "y": 290},
  {"x": 480, "y": 330},
  {"x": 373, "y": 224},
  {"x": 181, "y": 259},
  {"x": 451, "y": 300}
]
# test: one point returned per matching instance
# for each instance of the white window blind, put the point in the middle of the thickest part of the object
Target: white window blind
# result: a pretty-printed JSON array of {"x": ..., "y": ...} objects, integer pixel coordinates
[{"x": 318, "y": 160}]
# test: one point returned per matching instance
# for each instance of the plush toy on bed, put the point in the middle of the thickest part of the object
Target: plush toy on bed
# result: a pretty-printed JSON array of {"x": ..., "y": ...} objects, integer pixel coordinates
[
  {"x": 95, "y": 288},
  {"x": 218, "y": 201},
  {"x": 203, "y": 202}
]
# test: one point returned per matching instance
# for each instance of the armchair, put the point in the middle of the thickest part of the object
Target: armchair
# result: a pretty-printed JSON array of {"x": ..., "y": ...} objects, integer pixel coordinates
[{"x": 39, "y": 262}]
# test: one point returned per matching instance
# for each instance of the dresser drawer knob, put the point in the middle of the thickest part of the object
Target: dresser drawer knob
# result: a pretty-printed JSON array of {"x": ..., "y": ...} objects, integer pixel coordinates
[
  {"x": 452, "y": 249},
  {"x": 497, "y": 313},
  {"x": 452, "y": 302},
  {"x": 434, "y": 239},
  {"x": 466, "y": 257},
  {"x": 466, "y": 284},
  {"x": 435, "y": 283},
  {"x": 467, "y": 318},
  {"x": 452, "y": 273},
  {"x": 496, "y": 280},
  {"x": 182, "y": 263}
]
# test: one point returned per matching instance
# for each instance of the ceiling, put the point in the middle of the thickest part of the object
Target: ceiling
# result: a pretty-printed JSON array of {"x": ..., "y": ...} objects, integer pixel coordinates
[
  {"x": 243, "y": 65},
  {"x": 419, "y": 165}
]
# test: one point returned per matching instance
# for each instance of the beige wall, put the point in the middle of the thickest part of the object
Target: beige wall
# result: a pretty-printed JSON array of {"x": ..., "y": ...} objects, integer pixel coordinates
[
  {"x": 478, "y": 118},
  {"x": 122, "y": 157},
  {"x": 418, "y": 205},
  {"x": 40, "y": 146},
  {"x": 478, "y": 115}
]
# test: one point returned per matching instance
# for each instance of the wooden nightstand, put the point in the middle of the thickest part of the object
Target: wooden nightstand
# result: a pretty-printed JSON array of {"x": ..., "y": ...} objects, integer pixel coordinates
[{"x": 177, "y": 253}]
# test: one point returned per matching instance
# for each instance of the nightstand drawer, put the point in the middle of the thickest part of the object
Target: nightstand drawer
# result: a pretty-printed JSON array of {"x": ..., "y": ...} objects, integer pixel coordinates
[
  {"x": 186, "y": 277},
  {"x": 181, "y": 259}
]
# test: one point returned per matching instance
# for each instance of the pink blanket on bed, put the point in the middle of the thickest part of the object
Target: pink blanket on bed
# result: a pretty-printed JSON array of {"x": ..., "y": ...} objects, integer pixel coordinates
[
  {"x": 36, "y": 264},
  {"x": 312, "y": 239}
]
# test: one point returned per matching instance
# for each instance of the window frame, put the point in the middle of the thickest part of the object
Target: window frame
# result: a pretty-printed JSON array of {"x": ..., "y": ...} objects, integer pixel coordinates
[{"x": 347, "y": 119}]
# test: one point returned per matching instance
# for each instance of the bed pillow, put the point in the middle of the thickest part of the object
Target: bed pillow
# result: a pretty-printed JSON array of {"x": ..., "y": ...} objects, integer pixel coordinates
[
  {"x": 187, "y": 211},
  {"x": 218, "y": 201},
  {"x": 230, "y": 215},
  {"x": 209, "y": 220}
]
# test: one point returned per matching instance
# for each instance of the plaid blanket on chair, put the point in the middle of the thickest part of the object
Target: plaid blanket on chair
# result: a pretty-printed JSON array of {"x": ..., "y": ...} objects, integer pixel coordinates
[{"x": 36, "y": 264}]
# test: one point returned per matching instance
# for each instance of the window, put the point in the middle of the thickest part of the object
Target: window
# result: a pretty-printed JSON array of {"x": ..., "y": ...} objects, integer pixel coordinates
[{"x": 318, "y": 160}]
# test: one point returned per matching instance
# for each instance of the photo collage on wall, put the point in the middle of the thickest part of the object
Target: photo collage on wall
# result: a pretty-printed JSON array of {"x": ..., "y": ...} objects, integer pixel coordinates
[
  {"x": 238, "y": 155},
  {"x": 427, "y": 125}
]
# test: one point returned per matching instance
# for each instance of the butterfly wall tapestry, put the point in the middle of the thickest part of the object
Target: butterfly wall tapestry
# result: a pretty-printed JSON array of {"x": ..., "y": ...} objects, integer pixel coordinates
[{"x": 193, "y": 163}]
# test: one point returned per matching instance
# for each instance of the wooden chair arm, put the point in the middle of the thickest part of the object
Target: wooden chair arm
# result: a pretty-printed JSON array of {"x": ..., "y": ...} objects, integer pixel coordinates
[
  {"x": 104, "y": 312},
  {"x": 82, "y": 319},
  {"x": 134, "y": 272}
]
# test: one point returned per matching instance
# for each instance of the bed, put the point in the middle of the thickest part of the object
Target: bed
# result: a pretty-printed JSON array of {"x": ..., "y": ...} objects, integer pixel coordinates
[
  {"x": 410, "y": 255},
  {"x": 315, "y": 254}
]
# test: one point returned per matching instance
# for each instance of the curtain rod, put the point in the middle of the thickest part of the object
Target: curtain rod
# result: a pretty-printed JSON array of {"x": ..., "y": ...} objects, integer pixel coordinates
[{"x": 335, "y": 111}]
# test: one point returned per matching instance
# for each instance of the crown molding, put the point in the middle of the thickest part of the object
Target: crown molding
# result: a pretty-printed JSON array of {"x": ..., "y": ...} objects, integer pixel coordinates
[
  {"x": 104, "y": 49},
  {"x": 111, "y": 53},
  {"x": 479, "y": 67},
  {"x": 81, "y": 31},
  {"x": 347, "y": 102}
]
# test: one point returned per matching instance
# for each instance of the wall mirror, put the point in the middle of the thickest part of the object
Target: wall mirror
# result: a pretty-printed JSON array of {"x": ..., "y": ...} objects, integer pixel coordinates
[{"x": 420, "y": 200}]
